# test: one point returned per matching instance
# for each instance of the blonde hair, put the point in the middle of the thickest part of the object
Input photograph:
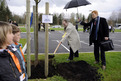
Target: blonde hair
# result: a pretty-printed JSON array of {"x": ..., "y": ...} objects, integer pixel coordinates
[
  {"x": 15, "y": 29},
  {"x": 4, "y": 29},
  {"x": 95, "y": 11}
]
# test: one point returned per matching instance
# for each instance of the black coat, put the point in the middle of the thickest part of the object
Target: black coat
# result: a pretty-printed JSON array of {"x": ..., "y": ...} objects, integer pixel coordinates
[
  {"x": 102, "y": 32},
  {"x": 12, "y": 49},
  {"x": 15, "y": 24},
  {"x": 8, "y": 70},
  {"x": 17, "y": 55}
]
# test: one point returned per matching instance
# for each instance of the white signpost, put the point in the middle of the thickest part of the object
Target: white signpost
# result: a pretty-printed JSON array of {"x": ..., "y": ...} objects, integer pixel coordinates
[{"x": 47, "y": 19}]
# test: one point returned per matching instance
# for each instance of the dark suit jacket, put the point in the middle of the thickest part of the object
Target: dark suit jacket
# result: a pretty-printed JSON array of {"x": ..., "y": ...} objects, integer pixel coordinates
[{"x": 102, "y": 32}]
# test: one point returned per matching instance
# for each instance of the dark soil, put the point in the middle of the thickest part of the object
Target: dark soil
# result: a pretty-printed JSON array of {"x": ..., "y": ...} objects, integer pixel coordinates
[
  {"x": 78, "y": 71},
  {"x": 38, "y": 71},
  {"x": 72, "y": 71}
]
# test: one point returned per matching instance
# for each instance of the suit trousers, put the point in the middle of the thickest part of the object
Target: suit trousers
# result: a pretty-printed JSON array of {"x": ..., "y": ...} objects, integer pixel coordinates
[
  {"x": 76, "y": 54},
  {"x": 96, "y": 53}
]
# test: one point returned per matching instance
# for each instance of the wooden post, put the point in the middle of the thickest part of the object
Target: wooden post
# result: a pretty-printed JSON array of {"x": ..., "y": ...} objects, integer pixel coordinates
[
  {"x": 36, "y": 35},
  {"x": 28, "y": 37},
  {"x": 34, "y": 22},
  {"x": 46, "y": 40},
  {"x": 34, "y": 19}
]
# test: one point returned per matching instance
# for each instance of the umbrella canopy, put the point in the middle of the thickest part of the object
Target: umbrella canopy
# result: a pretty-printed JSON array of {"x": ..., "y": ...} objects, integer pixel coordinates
[{"x": 76, "y": 3}]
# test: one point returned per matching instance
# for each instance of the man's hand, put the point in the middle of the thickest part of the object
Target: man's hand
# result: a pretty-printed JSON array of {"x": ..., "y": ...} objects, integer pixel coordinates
[
  {"x": 79, "y": 20},
  {"x": 60, "y": 42},
  {"x": 106, "y": 38}
]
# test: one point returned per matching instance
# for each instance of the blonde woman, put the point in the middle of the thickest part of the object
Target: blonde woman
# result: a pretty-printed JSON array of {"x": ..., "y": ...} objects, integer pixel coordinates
[{"x": 10, "y": 69}]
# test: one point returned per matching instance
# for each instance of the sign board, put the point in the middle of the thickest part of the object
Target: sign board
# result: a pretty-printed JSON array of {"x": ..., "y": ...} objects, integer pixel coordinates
[{"x": 47, "y": 19}]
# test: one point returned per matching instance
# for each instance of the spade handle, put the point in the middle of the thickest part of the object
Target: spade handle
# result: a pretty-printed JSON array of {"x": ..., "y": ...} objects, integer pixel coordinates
[{"x": 57, "y": 47}]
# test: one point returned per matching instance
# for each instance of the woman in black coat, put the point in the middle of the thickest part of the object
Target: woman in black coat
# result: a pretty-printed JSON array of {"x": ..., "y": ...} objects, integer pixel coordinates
[{"x": 98, "y": 32}]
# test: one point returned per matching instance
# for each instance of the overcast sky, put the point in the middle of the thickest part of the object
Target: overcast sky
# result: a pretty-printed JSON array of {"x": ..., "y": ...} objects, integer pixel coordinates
[{"x": 104, "y": 7}]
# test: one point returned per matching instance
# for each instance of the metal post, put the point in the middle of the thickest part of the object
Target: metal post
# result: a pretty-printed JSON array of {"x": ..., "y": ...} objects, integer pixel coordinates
[
  {"x": 28, "y": 37},
  {"x": 46, "y": 40}
]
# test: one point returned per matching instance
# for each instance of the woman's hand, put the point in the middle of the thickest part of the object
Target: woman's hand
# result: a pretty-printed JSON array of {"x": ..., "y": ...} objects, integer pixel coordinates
[{"x": 106, "y": 38}]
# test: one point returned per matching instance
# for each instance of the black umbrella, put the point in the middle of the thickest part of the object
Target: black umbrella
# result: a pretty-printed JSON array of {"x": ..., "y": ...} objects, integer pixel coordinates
[{"x": 76, "y": 3}]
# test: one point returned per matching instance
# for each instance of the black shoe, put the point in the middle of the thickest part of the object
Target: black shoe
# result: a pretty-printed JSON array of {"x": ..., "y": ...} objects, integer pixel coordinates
[{"x": 76, "y": 56}]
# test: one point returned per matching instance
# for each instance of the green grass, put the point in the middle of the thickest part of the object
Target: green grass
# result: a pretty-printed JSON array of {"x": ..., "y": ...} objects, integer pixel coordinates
[
  {"x": 22, "y": 41},
  {"x": 54, "y": 78},
  {"x": 62, "y": 29},
  {"x": 80, "y": 29},
  {"x": 113, "y": 72},
  {"x": 113, "y": 65},
  {"x": 58, "y": 29},
  {"x": 24, "y": 29},
  {"x": 117, "y": 30}
]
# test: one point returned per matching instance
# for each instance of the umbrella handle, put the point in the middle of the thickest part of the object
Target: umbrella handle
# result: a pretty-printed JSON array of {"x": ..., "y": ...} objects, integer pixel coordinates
[{"x": 57, "y": 47}]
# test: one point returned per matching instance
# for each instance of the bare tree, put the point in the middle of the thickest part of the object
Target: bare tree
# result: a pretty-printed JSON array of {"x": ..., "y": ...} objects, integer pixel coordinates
[
  {"x": 72, "y": 19},
  {"x": 36, "y": 32},
  {"x": 119, "y": 16}
]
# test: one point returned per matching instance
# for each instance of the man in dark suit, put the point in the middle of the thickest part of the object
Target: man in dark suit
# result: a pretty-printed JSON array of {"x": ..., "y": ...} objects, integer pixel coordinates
[
  {"x": 98, "y": 32},
  {"x": 14, "y": 22}
]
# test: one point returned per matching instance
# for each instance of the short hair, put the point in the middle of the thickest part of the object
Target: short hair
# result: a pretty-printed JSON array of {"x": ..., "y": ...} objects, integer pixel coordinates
[
  {"x": 66, "y": 20},
  {"x": 95, "y": 11},
  {"x": 4, "y": 29},
  {"x": 15, "y": 29}
]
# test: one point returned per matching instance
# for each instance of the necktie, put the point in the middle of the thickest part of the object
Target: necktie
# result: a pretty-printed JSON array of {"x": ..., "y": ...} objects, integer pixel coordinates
[{"x": 95, "y": 22}]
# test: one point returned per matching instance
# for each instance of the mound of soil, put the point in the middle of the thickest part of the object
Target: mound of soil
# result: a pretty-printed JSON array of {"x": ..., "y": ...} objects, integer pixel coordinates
[
  {"x": 72, "y": 71},
  {"x": 78, "y": 71}
]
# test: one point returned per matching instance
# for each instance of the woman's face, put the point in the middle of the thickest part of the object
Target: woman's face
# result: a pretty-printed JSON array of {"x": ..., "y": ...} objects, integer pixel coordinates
[
  {"x": 94, "y": 15},
  {"x": 16, "y": 37},
  {"x": 9, "y": 38}
]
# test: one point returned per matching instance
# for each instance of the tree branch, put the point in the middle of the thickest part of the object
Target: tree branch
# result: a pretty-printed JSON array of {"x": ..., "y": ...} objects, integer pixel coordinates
[
  {"x": 36, "y": 1},
  {"x": 39, "y": 1}
]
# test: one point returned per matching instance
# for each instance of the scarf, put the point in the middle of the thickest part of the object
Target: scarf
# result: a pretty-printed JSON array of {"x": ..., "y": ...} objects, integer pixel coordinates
[{"x": 97, "y": 27}]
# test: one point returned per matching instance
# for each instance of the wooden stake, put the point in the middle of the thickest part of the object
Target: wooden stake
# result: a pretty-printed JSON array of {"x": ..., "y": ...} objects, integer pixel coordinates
[
  {"x": 34, "y": 21},
  {"x": 46, "y": 40},
  {"x": 36, "y": 35},
  {"x": 28, "y": 37}
]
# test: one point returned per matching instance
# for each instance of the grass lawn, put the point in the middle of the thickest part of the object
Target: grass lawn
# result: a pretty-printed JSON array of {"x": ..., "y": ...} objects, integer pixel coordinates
[
  {"x": 58, "y": 29},
  {"x": 80, "y": 29},
  {"x": 22, "y": 41},
  {"x": 117, "y": 30},
  {"x": 113, "y": 67},
  {"x": 54, "y": 78},
  {"x": 62, "y": 29},
  {"x": 24, "y": 29}
]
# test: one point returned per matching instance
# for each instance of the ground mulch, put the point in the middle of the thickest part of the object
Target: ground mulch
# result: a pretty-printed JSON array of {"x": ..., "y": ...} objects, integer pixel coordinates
[{"x": 72, "y": 71}]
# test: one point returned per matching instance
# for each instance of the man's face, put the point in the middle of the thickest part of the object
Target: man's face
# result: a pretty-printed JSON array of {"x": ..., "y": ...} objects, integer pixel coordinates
[
  {"x": 64, "y": 23},
  {"x": 94, "y": 15}
]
